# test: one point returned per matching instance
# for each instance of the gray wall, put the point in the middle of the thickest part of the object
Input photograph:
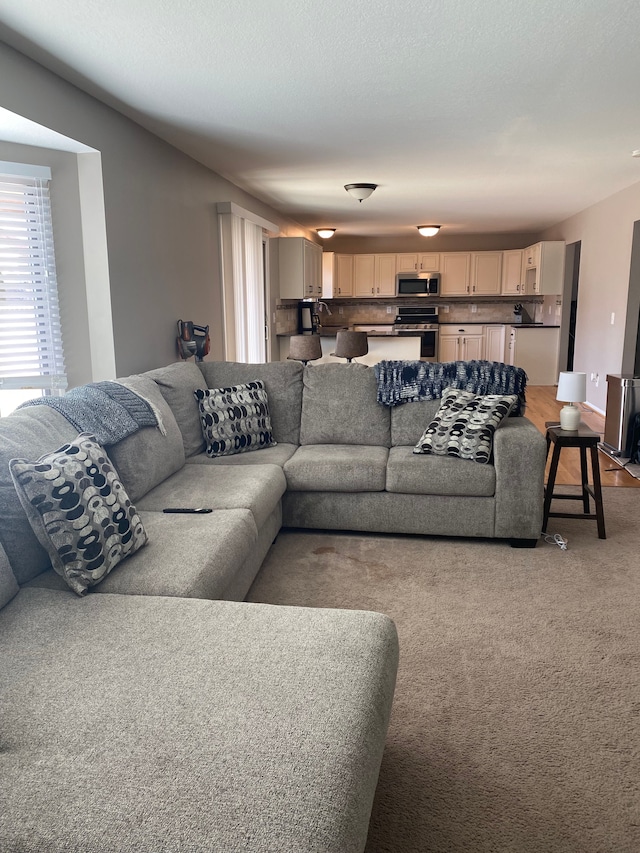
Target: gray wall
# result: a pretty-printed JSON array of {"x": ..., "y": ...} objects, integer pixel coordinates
[
  {"x": 606, "y": 233},
  {"x": 442, "y": 242},
  {"x": 160, "y": 215}
]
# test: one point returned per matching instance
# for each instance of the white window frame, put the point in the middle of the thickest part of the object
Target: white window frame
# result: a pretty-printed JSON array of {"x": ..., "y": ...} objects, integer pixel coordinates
[{"x": 31, "y": 351}]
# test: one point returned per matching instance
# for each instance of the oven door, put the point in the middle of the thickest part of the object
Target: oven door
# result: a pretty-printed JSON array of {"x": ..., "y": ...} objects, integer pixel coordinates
[{"x": 428, "y": 342}]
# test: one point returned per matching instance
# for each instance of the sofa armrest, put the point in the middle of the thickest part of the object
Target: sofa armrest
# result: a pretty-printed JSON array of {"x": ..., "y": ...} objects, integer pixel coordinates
[{"x": 519, "y": 450}]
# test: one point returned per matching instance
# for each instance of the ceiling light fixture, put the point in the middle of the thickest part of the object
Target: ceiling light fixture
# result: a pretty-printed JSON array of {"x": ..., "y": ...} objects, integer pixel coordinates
[
  {"x": 360, "y": 191},
  {"x": 636, "y": 153},
  {"x": 428, "y": 230},
  {"x": 325, "y": 232}
]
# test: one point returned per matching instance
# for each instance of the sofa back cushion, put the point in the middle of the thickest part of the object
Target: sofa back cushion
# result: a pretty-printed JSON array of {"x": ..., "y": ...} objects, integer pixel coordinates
[
  {"x": 409, "y": 421},
  {"x": 8, "y": 583},
  {"x": 339, "y": 406},
  {"x": 28, "y": 434},
  {"x": 177, "y": 382},
  {"x": 282, "y": 382},
  {"x": 147, "y": 457}
]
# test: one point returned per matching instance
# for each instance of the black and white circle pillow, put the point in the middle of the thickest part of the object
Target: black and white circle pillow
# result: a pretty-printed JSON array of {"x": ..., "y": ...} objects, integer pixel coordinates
[
  {"x": 79, "y": 510},
  {"x": 465, "y": 423},
  {"x": 235, "y": 419}
]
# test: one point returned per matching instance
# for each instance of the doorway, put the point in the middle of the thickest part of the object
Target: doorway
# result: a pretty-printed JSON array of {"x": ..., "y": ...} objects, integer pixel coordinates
[{"x": 570, "y": 299}]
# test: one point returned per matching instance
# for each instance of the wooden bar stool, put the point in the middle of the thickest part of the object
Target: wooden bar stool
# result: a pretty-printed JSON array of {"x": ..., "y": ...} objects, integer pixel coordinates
[{"x": 584, "y": 439}]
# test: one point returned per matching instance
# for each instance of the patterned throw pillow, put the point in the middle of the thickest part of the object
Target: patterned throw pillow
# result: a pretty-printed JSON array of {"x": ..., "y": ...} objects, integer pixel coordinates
[
  {"x": 79, "y": 510},
  {"x": 465, "y": 423},
  {"x": 235, "y": 419}
]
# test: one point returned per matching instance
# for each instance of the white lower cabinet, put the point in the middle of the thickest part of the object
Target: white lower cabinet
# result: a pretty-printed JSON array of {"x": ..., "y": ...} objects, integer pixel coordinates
[
  {"x": 494, "y": 340},
  {"x": 461, "y": 343}
]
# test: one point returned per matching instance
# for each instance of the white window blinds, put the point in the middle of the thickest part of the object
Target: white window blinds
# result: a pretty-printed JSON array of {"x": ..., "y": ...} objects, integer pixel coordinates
[{"x": 31, "y": 353}]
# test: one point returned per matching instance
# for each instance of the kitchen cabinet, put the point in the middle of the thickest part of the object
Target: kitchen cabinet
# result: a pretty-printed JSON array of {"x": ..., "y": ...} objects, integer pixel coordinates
[
  {"x": 337, "y": 275},
  {"x": 535, "y": 350},
  {"x": 513, "y": 273},
  {"x": 486, "y": 273},
  {"x": 428, "y": 262},
  {"x": 300, "y": 265},
  {"x": 544, "y": 268},
  {"x": 494, "y": 343},
  {"x": 363, "y": 275},
  {"x": 385, "y": 275},
  {"x": 460, "y": 343},
  {"x": 455, "y": 273}
]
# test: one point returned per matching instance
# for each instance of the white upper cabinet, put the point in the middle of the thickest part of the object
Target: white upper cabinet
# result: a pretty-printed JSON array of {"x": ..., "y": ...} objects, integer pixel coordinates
[
  {"x": 455, "y": 273},
  {"x": 486, "y": 273},
  {"x": 513, "y": 272},
  {"x": 385, "y": 275},
  {"x": 363, "y": 275},
  {"x": 337, "y": 275},
  {"x": 544, "y": 267},
  {"x": 428, "y": 262},
  {"x": 300, "y": 264}
]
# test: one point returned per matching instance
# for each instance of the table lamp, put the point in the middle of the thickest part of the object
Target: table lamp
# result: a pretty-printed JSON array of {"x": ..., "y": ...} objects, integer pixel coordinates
[{"x": 572, "y": 388}]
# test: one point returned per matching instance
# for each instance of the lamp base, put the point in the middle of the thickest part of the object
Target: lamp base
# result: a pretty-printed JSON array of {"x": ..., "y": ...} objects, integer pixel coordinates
[{"x": 570, "y": 417}]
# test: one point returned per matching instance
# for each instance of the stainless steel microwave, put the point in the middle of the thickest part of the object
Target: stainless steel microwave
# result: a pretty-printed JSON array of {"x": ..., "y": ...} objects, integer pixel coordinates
[{"x": 417, "y": 284}]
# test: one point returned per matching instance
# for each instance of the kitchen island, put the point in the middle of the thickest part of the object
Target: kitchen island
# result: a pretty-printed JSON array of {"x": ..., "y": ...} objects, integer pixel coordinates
[{"x": 383, "y": 346}]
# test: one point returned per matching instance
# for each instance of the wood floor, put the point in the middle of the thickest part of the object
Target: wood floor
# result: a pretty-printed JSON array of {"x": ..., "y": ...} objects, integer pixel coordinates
[{"x": 542, "y": 406}]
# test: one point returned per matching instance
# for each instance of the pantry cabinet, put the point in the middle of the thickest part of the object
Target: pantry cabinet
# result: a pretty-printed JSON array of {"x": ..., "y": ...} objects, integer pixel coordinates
[
  {"x": 429, "y": 262},
  {"x": 337, "y": 275},
  {"x": 460, "y": 343},
  {"x": 300, "y": 268}
]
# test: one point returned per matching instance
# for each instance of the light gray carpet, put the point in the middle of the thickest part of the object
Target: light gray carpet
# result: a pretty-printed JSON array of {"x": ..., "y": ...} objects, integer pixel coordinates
[{"x": 516, "y": 722}]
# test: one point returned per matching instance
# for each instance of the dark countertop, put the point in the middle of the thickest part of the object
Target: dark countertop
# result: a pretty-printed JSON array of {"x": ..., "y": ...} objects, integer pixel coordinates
[{"x": 533, "y": 326}]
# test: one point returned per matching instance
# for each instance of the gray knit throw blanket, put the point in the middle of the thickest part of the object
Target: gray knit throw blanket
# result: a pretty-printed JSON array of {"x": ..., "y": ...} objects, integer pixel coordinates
[
  {"x": 410, "y": 381},
  {"x": 108, "y": 410}
]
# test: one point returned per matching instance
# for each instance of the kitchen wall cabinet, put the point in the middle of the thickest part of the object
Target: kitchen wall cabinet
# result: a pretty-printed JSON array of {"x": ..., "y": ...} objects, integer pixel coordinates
[
  {"x": 428, "y": 262},
  {"x": 544, "y": 267},
  {"x": 455, "y": 273},
  {"x": 363, "y": 275},
  {"x": 494, "y": 343},
  {"x": 460, "y": 343},
  {"x": 300, "y": 266},
  {"x": 385, "y": 275},
  {"x": 486, "y": 273},
  {"x": 513, "y": 273},
  {"x": 337, "y": 275}
]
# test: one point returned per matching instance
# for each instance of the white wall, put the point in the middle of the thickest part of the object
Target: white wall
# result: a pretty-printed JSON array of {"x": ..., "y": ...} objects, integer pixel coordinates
[
  {"x": 606, "y": 231},
  {"x": 161, "y": 222}
]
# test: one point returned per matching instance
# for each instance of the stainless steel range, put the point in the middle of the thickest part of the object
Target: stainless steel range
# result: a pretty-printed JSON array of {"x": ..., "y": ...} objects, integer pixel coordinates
[{"x": 422, "y": 322}]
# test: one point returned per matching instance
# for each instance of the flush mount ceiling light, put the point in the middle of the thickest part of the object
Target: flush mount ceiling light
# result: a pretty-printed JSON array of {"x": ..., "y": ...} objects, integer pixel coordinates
[
  {"x": 325, "y": 232},
  {"x": 360, "y": 191},
  {"x": 428, "y": 230},
  {"x": 636, "y": 153}
]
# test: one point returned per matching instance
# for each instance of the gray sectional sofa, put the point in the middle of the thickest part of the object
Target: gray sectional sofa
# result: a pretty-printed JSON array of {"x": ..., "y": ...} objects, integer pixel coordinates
[{"x": 162, "y": 713}]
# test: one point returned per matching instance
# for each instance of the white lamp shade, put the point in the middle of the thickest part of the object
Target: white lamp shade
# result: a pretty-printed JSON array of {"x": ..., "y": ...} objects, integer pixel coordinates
[
  {"x": 572, "y": 387},
  {"x": 428, "y": 230},
  {"x": 360, "y": 191}
]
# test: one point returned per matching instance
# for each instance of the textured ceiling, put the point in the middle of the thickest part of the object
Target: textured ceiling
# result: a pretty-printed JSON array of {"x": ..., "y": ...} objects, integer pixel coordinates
[{"x": 481, "y": 115}]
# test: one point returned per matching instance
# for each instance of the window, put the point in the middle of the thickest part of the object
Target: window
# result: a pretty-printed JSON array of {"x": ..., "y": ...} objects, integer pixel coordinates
[{"x": 31, "y": 355}]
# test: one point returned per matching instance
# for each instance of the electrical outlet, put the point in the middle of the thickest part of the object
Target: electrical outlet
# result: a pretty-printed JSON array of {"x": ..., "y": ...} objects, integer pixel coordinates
[
  {"x": 593, "y": 377},
  {"x": 597, "y": 380},
  {"x": 444, "y": 309},
  {"x": 340, "y": 310},
  {"x": 613, "y": 318},
  {"x": 474, "y": 309},
  {"x": 390, "y": 309}
]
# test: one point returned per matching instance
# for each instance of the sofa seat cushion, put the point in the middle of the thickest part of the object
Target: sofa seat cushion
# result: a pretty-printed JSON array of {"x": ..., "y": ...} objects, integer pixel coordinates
[
  {"x": 192, "y": 556},
  {"x": 337, "y": 468},
  {"x": 277, "y": 454},
  {"x": 256, "y": 487},
  {"x": 421, "y": 474},
  {"x": 170, "y": 724}
]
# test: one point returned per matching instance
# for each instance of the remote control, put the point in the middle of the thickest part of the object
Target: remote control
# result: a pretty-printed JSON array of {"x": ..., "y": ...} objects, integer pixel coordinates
[{"x": 188, "y": 509}]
